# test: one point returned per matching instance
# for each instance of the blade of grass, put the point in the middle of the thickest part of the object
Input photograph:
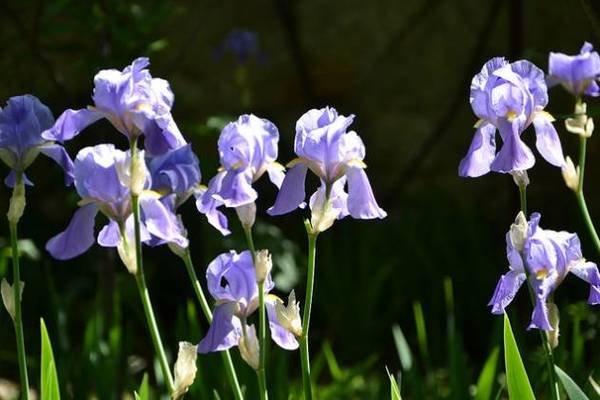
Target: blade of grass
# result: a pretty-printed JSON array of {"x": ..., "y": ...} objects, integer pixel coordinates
[
  {"x": 48, "y": 379},
  {"x": 485, "y": 383},
  {"x": 573, "y": 391},
  {"x": 516, "y": 376}
]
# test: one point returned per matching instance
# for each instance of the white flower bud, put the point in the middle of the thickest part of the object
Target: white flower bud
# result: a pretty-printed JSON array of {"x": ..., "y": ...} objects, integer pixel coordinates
[
  {"x": 554, "y": 318},
  {"x": 589, "y": 127},
  {"x": 322, "y": 218},
  {"x": 17, "y": 203},
  {"x": 247, "y": 214},
  {"x": 185, "y": 369},
  {"x": 518, "y": 231},
  {"x": 133, "y": 173},
  {"x": 128, "y": 257},
  {"x": 289, "y": 317},
  {"x": 264, "y": 263},
  {"x": 580, "y": 124},
  {"x": 249, "y": 347},
  {"x": 521, "y": 178},
  {"x": 570, "y": 174},
  {"x": 8, "y": 296}
]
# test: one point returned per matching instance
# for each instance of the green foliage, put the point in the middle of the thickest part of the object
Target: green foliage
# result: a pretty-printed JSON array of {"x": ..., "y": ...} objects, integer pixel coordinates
[
  {"x": 573, "y": 391},
  {"x": 394, "y": 389},
  {"x": 516, "y": 376},
  {"x": 485, "y": 383},
  {"x": 144, "y": 392},
  {"x": 48, "y": 379}
]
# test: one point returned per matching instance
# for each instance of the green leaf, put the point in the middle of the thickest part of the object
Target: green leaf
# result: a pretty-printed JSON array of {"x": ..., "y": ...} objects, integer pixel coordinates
[
  {"x": 49, "y": 379},
  {"x": 404, "y": 352},
  {"x": 144, "y": 392},
  {"x": 485, "y": 383},
  {"x": 394, "y": 389},
  {"x": 516, "y": 376},
  {"x": 573, "y": 391}
]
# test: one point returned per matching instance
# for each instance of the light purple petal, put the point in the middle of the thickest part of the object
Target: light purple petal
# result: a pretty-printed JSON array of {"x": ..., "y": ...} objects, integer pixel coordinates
[
  {"x": 506, "y": 290},
  {"x": 78, "y": 237},
  {"x": 514, "y": 154},
  {"x": 236, "y": 189},
  {"x": 209, "y": 206},
  {"x": 224, "y": 331},
  {"x": 481, "y": 153},
  {"x": 588, "y": 271},
  {"x": 284, "y": 338},
  {"x": 361, "y": 200},
  {"x": 60, "y": 155},
  {"x": 70, "y": 123},
  {"x": 542, "y": 289},
  {"x": 160, "y": 222},
  {"x": 547, "y": 141},
  {"x": 110, "y": 235},
  {"x": 11, "y": 179},
  {"x": 292, "y": 192},
  {"x": 276, "y": 174}
]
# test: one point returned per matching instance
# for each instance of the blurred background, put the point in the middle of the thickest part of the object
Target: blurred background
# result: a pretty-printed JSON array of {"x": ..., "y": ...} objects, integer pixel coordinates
[{"x": 403, "y": 68}]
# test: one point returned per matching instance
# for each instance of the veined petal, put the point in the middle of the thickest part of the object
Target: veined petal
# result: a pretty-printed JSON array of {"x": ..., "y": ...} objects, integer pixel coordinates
[
  {"x": 224, "y": 331},
  {"x": 78, "y": 237},
  {"x": 514, "y": 154},
  {"x": 506, "y": 290},
  {"x": 361, "y": 200},
  {"x": 70, "y": 123},
  {"x": 481, "y": 152},
  {"x": 292, "y": 191},
  {"x": 160, "y": 222},
  {"x": 284, "y": 338},
  {"x": 60, "y": 155},
  {"x": 547, "y": 141}
]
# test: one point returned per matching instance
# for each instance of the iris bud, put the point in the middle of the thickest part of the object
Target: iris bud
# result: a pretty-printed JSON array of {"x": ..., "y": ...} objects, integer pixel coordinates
[
  {"x": 264, "y": 264},
  {"x": 249, "y": 347},
  {"x": 185, "y": 368}
]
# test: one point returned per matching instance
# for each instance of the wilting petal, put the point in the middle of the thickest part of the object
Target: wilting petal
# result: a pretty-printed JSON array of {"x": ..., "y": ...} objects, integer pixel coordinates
[
  {"x": 588, "y": 271},
  {"x": 224, "y": 331},
  {"x": 514, "y": 154},
  {"x": 506, "y": 290},
  {"x": 547, "y": 141},
  {"x": 361, "y": 201},
  {"x": 60, "y": 155},
  {"x": 110, "y": 235},
  {"x": 284, "y": 338},
  {"x": 292, "y": 191},
  {"x": 481, "y": 153},
  {"x": 78, "y": 237},
  {"x": 236, "y": 189},
  {"x": 70, "y": 123},
  {"x": 160, "y": 222}
]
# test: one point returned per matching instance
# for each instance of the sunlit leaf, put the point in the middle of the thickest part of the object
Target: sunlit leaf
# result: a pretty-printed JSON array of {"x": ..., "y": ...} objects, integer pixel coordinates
[
  {"x": 573, "y": 391},
  {"x": 516, "y": 376},
  {"x": 49, "y": 379},
  {"x": 485, "y": 383}
]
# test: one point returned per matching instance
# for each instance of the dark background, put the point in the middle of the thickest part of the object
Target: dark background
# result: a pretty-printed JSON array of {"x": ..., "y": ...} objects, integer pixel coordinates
[{"x": 403, "y": 67}]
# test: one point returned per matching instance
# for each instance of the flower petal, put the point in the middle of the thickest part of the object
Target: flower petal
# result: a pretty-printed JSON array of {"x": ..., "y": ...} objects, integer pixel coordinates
[
  {"x": 60, "y": 155},
  {"x": 506, "y": 290},
  {"x": 588, "y": 271},
  {"x": 11, "y": 179},
  {"x": 161, "y": 222},
  {"x": 547, "y": 141},
  {"x": 78, "y": 237},
  {"x": 292, "y": 191},
  {"x": 284, "y": 338},
  {"x": 224, "y": 331},
  {"x": 481, "y": 153},
  {"x": 70, "y": 123},
  {"x": 514, "y": 154},
  {"x": 361, "y": 201},
  {"x": 110, "y": 235}
]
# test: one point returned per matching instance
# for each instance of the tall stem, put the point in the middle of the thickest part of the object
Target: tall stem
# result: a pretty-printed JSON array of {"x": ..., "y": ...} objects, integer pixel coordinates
[
  {"x": 227, "y": 361},
  {"x": 310, "y": 282},
  {"x": 580, "y": 196},
  {"x": 141, "y": 283},
  {"x": 262, "y": 331},
  {"x": 18, "y": 322},
  {"x": 554, "y": 390}
]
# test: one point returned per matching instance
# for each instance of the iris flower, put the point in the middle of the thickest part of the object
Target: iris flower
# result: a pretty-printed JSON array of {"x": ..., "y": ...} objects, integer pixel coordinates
[{"x": 578, "y": 74}]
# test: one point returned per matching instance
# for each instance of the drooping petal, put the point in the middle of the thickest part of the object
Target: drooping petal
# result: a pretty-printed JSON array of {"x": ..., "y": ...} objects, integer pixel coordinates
[
  {"x": 209, "y": 206},
  {"x": 236, "y": 189},
  {"x": 506, "y": 290},
  {"x": 284, "y": 338},
  {"x": 276, "y": 173},
  {"x": 361, "y": 200},
  {"x": 224, "y": 331},
  {"x": 109, "y": 235},
  {"x": 292, "y": 191},
  {"x": 481, "y": 152},
  {"x": 160, "y": 222},
  {"x": 547, "y": 141},
  {"x": 514, "y": 154},
  {"x": 162, "y": 134},
  {"x": 542, "y": 289},
  {"x": 78, "y": 237},
  {"x": 588, "y": 271},
  {"x": 71, "y": 123},
  {"x": 60, "y": 155}
]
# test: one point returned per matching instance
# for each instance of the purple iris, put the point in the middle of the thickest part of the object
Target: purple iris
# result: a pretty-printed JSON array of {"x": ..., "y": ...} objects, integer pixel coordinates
[
  {"x": 133, "y": 102},
  {"x": 232, "y": 283},
  {"x": 100, "y": 180},
  {"x": 22, "y": 122},
  {"x": 247, "y": 149},
  {"x": 509, "y": 98},
  {"x": 578, "y": 74},
  {"x": 547, "y": 257},
  {"x": 324, "y": 146}
]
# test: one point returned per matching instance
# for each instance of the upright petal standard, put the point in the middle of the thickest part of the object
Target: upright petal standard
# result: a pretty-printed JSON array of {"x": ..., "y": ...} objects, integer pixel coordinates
[{"x": 579, "y": 73}]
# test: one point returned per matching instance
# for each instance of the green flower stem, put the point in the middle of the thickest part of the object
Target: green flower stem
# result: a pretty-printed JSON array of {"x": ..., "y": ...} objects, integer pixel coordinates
[
  {"x": 143, "y": 289},
  {"x": 227, "y": 361},
  {"x": 17, "y": 320},
  {"x": 580, "y": 196},
  {"x": 262, "y": 331},
  {"x": 554, "y": 389},
  {"x": 310, "y": 282}
]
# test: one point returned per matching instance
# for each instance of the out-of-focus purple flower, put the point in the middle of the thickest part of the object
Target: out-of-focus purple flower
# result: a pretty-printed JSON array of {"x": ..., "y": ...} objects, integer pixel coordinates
[
  {"x": 546, "y": 258},
  {"x": 578, "y": 74},
  {"x": 509, "y": 98},
  {"x": 242, "y": 44},
  {"x": 232, "y": 283},
  {"x": 100, "y": 180},
  {"x": 134, "y": 103},
  {"x": 247, "y": 149},
  {"x": 336, "y": 156},
  {"x": 22, "y": 122}
]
